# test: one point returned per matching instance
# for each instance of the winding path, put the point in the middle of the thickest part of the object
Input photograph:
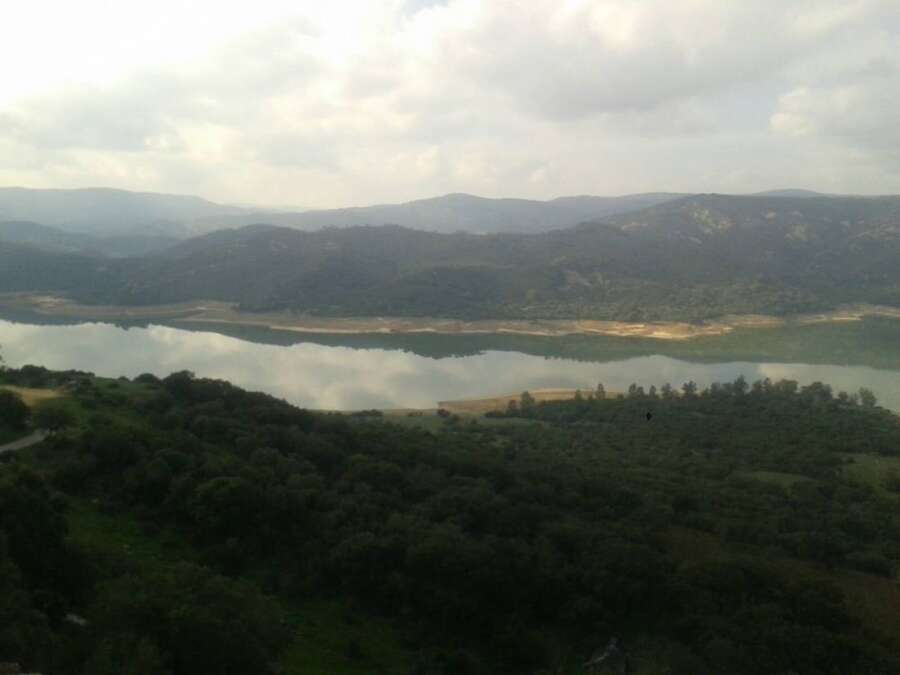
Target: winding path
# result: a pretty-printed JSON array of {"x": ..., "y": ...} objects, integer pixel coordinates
[{"x": 33, "y": 438}]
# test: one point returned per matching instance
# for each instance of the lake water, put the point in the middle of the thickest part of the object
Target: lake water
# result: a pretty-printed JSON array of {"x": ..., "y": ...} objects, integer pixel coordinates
[{"x": 397, "y": 371}]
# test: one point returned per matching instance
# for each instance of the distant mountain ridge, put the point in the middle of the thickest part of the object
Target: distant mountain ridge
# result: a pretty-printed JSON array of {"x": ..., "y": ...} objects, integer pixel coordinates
[
  {"x": 791, "y": 192},
  {"x": 685, "y": 258},
  {"x": 693, "y": 258},
  {"x": 106, "y": 212},
  {"x": 461, "y": 212}
]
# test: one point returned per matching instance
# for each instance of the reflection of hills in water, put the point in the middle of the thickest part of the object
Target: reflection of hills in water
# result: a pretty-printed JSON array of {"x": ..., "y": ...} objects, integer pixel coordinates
[{"x": 873, "y": 342}]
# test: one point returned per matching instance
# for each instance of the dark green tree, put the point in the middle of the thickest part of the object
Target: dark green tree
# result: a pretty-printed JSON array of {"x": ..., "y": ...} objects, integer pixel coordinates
[
  {"x": 53, "y": 417},
  {"x": 14, "y": 413},
  {"x": 526, "y": 403},
  {"x": 867, "y": 398}
]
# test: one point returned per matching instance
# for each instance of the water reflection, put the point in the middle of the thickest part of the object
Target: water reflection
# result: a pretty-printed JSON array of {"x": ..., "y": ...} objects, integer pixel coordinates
[{"x": 339, "y": 377}]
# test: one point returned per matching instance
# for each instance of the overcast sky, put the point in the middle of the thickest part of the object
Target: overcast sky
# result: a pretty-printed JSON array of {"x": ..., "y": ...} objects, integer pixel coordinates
[{"x": 334, "y": 103}]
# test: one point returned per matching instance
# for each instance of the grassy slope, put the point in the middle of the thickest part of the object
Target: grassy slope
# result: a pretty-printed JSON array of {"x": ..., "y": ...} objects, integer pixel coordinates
[
  {"x": 873, "y": 470},
  {"x": 873, "y": 600}
]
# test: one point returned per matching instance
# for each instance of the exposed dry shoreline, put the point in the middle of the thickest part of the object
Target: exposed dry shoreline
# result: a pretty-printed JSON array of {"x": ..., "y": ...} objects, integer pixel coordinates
[
  {"x": 479, "y": 406},
  {"x": 225, "y": 313}
]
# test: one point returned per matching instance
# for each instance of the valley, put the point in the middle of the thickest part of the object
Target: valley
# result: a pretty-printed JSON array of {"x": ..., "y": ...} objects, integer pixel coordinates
[{"x": 450, "y": 337}]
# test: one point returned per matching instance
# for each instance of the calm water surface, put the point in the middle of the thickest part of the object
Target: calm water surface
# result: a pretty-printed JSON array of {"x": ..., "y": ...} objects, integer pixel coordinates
[{"x": 351, "y": 372}]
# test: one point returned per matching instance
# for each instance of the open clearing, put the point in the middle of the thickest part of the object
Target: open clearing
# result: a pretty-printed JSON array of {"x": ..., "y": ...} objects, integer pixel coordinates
[
  {"x": 32, "y": 397},
  {"x": 873, "y": 470}
]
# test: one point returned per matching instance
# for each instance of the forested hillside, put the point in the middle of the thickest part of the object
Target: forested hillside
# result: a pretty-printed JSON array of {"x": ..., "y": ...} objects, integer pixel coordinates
[
  {"x": 736, "y": 529},
  {"x": 694, "y": 258},
  {"x": 690, "y": 259},
  {"x": 54, "y": 240},
  {"x": 27, "y": 268}
]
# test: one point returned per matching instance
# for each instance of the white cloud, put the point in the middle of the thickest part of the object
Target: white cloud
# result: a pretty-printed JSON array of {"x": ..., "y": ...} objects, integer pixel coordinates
[
  {"x": 860, "y": 114},
  {"x": 354, "y": 102}
]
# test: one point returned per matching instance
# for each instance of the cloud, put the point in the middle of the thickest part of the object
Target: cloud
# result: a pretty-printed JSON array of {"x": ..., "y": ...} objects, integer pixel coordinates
[
  {"x": 565, "y": 60},
  {"x": 860, "y": 114},
  {"x": 354, "y": 102}
]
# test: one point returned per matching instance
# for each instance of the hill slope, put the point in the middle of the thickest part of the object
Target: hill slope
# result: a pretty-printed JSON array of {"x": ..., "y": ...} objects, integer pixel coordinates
[
  {"x": 55, "y": 240},
  {"x": 693, "y": 258},
  {"x": 103, "y": 211}
]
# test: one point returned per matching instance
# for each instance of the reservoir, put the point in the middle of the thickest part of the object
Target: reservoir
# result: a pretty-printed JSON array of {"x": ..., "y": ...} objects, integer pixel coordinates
[{"x": 347, "y": 372}]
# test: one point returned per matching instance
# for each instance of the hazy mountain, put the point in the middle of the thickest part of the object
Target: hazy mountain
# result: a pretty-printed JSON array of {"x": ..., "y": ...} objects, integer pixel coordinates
[
  {"x": 59, "y": 241},
  {"x": 456, "y": 212},
  {"x": 26, "y": 268},
  {"x": 695, "y": 257},
  {"x": 790, "y": 192},
  {"x": 103, "y": 211}
]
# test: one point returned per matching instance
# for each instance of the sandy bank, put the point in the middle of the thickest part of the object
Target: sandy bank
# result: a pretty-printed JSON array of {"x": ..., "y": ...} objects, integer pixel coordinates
[{"x": 225, "y": 313}]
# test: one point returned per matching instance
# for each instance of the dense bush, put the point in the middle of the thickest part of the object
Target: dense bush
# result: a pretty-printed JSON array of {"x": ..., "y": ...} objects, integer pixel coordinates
[{"x": 13, "y": 412}]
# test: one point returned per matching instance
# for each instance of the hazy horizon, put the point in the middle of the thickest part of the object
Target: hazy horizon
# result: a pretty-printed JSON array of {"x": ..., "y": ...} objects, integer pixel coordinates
[
  {"x": 353, "y": 103},
  {"x": 301, "y": 208}
]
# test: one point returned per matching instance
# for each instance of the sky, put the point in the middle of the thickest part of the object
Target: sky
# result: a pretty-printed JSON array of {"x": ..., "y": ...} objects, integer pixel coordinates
[{"x": 339, "y": 103}]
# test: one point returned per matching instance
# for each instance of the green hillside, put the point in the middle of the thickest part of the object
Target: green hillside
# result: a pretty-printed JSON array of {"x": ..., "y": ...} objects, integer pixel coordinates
[
  {"x": 689, "y": 259},
  {"x": 198, "y": 528}
]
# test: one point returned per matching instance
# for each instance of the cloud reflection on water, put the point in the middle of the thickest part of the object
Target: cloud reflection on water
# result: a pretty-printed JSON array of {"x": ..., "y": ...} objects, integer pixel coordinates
[{"x": 330, "y": 377}]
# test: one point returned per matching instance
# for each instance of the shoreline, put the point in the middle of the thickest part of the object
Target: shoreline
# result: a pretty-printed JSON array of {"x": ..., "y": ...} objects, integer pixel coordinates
[{"x": 215, "y": 312}]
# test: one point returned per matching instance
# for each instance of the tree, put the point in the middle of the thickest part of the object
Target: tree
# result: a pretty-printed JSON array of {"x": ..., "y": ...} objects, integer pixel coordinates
[
  {"x": 13, "y": 411},
  {"x": 52, "y": 417},
  {"x": 867, "y": 398},
  {"x": 526, "y": 403},
  {"x": 689, "y": 389},
  {"x": 601, "y": 391},
  {"x": 180, "y": 384}
]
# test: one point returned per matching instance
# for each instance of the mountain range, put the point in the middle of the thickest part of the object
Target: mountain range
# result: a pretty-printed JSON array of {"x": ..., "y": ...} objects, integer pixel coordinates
[
  {"x": 104, "y": 212},
  {"x": 460, "y": 213},
  {"x": 691, "y": 257}
]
